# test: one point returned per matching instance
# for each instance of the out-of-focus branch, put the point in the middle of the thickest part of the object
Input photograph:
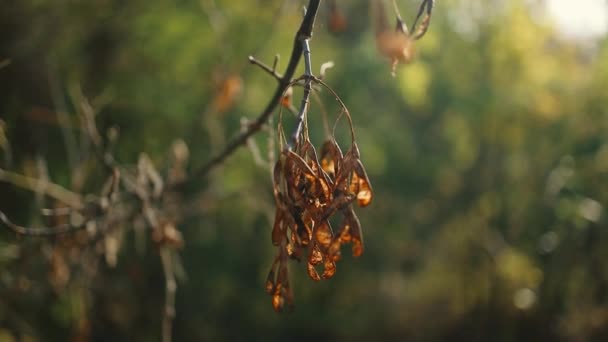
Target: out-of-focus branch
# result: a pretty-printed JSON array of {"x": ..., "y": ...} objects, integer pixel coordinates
[
  {"x": 53, "y": 190},
  {"x": 166, "y": 255},
  {"x": 69, "y": 139},
  {"x": 304, "y": 33}
]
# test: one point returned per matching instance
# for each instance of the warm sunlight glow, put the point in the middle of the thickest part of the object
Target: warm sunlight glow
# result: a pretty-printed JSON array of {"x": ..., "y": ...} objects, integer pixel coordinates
[{"x": 581, "y": 18}]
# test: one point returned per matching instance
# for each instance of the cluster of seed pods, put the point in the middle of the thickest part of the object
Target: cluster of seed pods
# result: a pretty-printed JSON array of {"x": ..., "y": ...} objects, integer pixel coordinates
[{"x": 309, "y": 189}]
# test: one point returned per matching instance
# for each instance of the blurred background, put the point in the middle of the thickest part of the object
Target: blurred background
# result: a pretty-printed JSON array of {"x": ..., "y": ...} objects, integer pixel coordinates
[{"x": 488, "y": 156}]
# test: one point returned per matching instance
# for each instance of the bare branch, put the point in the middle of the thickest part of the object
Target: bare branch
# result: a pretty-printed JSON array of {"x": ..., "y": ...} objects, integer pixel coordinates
[
  {"x": 304, "y": 32},
  {"x": 69, "y": 139},
  {"x": 53, "y": 190},
  {"x": 305, "y": 99},
  {"x": 40, "y": 231},
  {"x": 166, "y": 255},
  {"x": 5, "y": 145},
  {"x": 272, "y": 71}
]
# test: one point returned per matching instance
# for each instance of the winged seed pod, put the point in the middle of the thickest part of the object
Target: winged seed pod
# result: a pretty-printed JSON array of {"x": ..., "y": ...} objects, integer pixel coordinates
[
  {"x": 308, "y": 191},
  {"x": 398, "y": 44}
]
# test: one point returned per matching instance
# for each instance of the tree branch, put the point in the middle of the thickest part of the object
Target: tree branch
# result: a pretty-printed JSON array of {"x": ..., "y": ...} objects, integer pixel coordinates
[
  {"x": 304, "y": 33},
  {"x": 53, "y": 190},
  {"x": 272, "y": 71},
  {"x": 307, "y": 89},
  {"x": 166, "y": 255}
]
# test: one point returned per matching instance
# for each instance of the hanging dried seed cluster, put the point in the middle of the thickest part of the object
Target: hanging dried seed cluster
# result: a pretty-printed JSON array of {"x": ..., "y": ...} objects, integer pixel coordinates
[
  {"x": 398, "y": 44},
  {"x": 308, "y": 190}
]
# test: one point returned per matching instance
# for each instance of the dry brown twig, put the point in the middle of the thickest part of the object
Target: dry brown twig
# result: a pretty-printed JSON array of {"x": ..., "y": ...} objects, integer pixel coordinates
[{"x": 303, "y": 33}]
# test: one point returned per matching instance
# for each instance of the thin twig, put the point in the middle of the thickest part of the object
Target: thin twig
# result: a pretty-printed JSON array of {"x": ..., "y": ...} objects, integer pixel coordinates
[
  {"x": 63, "y": 118},
  {"x": 304, "y": 32},
  {"x": 166, "y": 255},
  {"x": 275, "y": 63},
  {"x": 306, "y": 98},
  {"x": 254, "y": 149},
  {"x": 53, "y": 190},
  {"x": 38, "y": 231},
  {"x": 5, "y": 146},
  {"x": 272, "y": 71}
]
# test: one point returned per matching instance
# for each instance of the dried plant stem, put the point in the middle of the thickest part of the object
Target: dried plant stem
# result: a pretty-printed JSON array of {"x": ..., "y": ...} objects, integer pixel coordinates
[
  {"x": 69, "y": 140},
  {"x": 304, "y": 33},
  {"x": 166, "y": 255},
  {"x": 41, "y": 231},
  {"x": 272, "y": 71},
  {"x": 253, "y": 148},
  {"x": 308, "y": 78},
  {"x": 53, "y": 190}
]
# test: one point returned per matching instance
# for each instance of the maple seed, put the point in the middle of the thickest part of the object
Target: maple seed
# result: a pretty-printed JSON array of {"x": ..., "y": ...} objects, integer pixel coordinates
[
  {"x": 323, "y": 234},
  {"x": 312, "y": 272},
  {"x": 270, "y": 282},
  {"x": 308, "y": 191},
  {"x": 330, "y": 269}
]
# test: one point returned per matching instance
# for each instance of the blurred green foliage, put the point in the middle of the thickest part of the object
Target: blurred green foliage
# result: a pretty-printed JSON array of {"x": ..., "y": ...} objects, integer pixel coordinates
[{"x": 488, "y": 156}]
